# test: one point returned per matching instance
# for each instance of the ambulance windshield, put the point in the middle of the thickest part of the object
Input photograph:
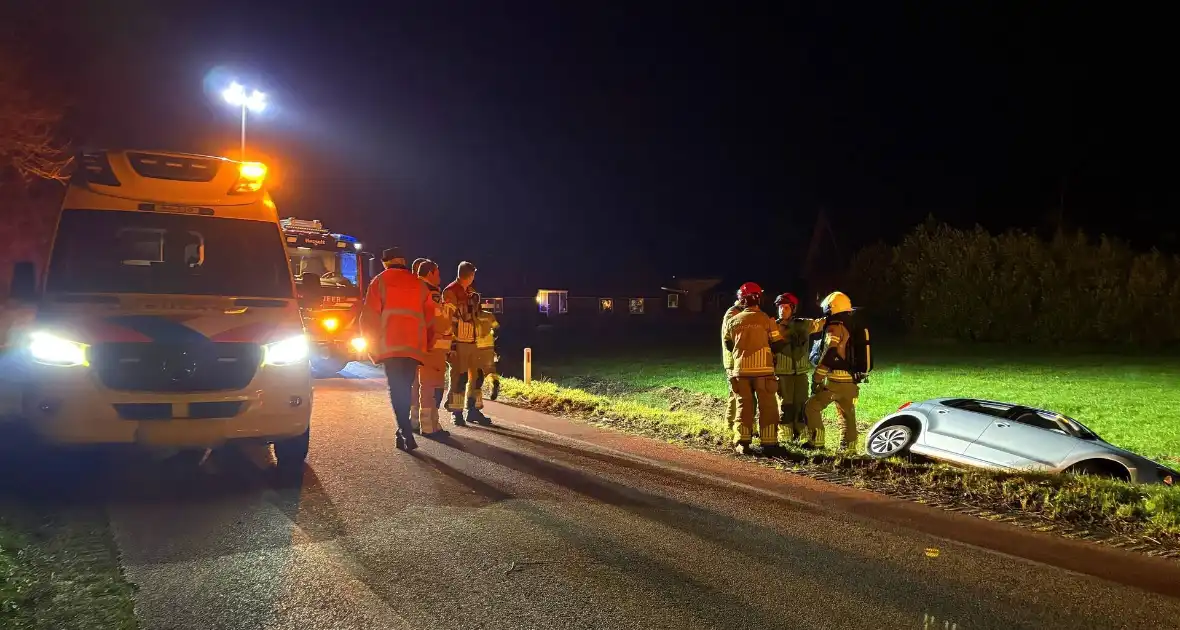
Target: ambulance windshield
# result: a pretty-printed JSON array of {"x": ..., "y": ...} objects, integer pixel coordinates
[{"x": 100, "y": 251}]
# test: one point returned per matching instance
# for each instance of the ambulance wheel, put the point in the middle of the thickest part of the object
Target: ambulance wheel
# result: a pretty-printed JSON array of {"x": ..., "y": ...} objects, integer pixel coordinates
[
  {"x": 327, "y": 367},
  {"x": 291, "y": 453}
]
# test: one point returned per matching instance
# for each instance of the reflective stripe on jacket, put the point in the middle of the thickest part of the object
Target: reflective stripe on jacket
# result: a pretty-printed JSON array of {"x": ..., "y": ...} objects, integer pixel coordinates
[
  {"x": 441, "y": 321},
  {"x": 397, "y": 308},
  {"x": 459, "y": 299},
  {"x": 834, "y": 353},
  {"x": 751, "y": 332},
  {"x": 793, "y": 358}
]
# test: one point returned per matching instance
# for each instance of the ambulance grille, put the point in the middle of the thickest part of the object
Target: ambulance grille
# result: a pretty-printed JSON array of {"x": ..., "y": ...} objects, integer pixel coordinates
[{"x": 158, "y": 367}]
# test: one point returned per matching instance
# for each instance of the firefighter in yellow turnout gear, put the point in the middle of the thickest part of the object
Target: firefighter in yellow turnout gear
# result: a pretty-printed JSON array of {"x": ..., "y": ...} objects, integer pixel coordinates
[
  {"x": 462, "y": 362},
  {"x": 486, "y": 330},
  {"x": 432, "y": 372},
  {"x": 727, "y": 363},
  {"x": 752, "y": 337},
  {"x": 833, "y": 380},
  {"x": 791, "y": 365}
]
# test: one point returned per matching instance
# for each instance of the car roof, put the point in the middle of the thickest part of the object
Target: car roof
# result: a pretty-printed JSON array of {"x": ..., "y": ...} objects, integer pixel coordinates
[{"x": 985, "y": 401}]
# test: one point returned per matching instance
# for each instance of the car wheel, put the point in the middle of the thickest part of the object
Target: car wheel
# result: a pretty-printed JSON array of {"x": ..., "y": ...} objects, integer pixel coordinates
[
  {"x": 291, "y": 452},
  {"x": 890, "y": 440}
]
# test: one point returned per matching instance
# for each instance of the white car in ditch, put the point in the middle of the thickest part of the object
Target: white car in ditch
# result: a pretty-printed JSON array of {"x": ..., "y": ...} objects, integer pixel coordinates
[{"x": 1006, "y": 436}]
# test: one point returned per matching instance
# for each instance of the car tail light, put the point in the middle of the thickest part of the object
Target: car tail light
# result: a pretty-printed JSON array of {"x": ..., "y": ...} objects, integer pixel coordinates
[
  {"x": 251, "y": 175},
  {"x": 905, "y": 405}
]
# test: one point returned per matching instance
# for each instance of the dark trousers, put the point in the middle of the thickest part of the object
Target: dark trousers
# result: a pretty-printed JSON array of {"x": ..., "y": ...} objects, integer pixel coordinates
[{"x": 400, "y": 372}]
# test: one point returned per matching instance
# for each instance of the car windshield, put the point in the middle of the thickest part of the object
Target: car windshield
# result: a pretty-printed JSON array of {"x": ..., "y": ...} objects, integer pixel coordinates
[
  {"x": 1077, "y": 429},
  {"x": 335, "y": 269},
  {"x": 102, "y": 251}
]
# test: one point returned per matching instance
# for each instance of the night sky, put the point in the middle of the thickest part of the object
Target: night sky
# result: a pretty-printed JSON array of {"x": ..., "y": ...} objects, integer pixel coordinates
[{"x": 604, "y": 143}]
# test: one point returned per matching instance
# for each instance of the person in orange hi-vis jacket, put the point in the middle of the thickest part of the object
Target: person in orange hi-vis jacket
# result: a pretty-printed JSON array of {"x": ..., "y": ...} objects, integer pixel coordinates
[{"x": 396, "y": 322}]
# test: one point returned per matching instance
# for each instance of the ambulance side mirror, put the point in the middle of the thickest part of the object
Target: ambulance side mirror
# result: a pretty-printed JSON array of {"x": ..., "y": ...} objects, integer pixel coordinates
[{"x": 24, "y": 282}]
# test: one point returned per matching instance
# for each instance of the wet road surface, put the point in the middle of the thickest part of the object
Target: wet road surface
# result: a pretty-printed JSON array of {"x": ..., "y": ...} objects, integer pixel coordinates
[{"x": 543, "y": 523}]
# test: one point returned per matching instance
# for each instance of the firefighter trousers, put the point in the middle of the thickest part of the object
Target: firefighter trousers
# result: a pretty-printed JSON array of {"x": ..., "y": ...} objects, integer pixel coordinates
[
  {"x": 731, "y": 411},
  {"x": 751, "y": 392},
  {"x": 464, "y": 372},
  {"x": 431, "y": 380},
  {"x": 793, "y": 394},
  {"x": 845, "y": 396}
]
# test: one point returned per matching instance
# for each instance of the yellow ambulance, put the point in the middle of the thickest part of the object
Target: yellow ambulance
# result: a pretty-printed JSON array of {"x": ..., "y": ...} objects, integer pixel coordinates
[{"x": 166, "y": 316}]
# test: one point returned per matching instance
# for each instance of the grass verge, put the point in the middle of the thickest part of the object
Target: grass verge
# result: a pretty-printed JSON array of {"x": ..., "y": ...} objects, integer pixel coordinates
[
  {"x": 1110, "y": 507},
  {"x": 1130, "y": 400},
  {"x": 59, "y": 570}
]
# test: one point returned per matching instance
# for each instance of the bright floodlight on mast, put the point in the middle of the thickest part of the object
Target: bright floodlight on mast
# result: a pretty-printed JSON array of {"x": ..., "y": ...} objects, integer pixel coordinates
[{"x": 255, "y": 102}]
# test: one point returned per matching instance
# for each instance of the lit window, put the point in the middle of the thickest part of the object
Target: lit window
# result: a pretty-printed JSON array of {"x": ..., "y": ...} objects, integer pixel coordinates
[
  {"x": 636, "y": 306},
  {"x": 551, "y": 301},
  {"x": 673, "y": 300},
  {"x": 606, "y": 305}
]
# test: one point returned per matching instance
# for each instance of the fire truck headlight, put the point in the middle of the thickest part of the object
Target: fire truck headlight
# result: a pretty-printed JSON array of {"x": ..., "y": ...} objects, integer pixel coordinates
[
  {"x": 49, "y": 349},
  {"x": 286, "y": 352},
  {"x": 359, "y": 344},
  {"x": 330, "y": 324}
]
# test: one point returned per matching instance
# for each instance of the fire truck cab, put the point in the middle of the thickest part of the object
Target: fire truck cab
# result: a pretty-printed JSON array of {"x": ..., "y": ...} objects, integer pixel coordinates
[{"x": 329, "y": 277}]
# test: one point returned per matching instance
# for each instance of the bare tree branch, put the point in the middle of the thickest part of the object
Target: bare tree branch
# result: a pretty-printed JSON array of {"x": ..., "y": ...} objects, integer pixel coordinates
[{"x": 30, "y": 142}]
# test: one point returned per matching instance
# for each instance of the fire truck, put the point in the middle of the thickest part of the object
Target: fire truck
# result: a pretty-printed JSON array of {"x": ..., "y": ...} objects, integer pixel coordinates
[{"x": 330, "y": 278}]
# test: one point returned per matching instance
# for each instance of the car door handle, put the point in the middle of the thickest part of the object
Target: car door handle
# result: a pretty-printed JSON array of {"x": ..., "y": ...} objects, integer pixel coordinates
[
  {"x": 1002, "y": 424},
  {"x": 942, "y": 411}
]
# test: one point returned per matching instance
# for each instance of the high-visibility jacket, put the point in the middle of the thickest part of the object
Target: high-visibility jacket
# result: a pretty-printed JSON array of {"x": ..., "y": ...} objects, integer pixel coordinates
[
  {"x": 462, "y": 312},
  {"x": 440, "y": 323},
  {"x": 793, "y": 359},
  {"x": 485, "y": 330},
  {"x": 394, "y": 319},
  {"x": 833, "y": 363},
  {"x": 726, "y": 355},
  {"x": 749, "y": 336}
]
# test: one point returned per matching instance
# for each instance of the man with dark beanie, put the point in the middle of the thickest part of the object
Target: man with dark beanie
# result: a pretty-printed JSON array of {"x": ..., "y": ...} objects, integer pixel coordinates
[{"x": 396, "y": 322}]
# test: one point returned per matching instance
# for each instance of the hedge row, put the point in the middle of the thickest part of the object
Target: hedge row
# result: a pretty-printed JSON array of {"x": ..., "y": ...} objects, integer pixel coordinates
[{"x": 946, "y": 283}]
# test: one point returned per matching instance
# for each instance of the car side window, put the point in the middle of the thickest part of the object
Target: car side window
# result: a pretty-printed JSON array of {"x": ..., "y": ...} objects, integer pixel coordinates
[
  {"x": 996, "y": 410},
  {"x": 1035, "y": 419}
]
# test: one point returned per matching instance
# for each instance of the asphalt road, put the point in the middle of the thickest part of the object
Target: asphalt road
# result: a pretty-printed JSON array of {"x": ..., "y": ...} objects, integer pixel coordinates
[{"x": 543, "y": 523}]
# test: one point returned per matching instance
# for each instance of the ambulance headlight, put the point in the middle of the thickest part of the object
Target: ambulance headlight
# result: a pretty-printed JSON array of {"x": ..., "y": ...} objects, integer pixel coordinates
[
  {"x": 49, "y": 349},
  {"x": 286, "y": 352}
]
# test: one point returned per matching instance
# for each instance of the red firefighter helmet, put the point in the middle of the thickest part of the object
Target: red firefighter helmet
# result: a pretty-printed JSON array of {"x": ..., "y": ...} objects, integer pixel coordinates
[
  {"x": 787, "y": 299},
  {"x": 750, "y": 294}
]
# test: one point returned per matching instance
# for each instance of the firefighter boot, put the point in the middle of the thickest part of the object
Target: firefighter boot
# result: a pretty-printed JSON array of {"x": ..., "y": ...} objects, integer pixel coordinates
[
  {"x": 495, "y": 388},
  {"x": 744, "y": 448},
  {"x": 455, "y": 406},
  {"x": 475, "y": 415}
]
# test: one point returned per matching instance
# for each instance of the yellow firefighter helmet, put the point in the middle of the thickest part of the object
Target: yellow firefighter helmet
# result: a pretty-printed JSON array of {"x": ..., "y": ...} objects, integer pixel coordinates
[{"x": 836, "y": 302}]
